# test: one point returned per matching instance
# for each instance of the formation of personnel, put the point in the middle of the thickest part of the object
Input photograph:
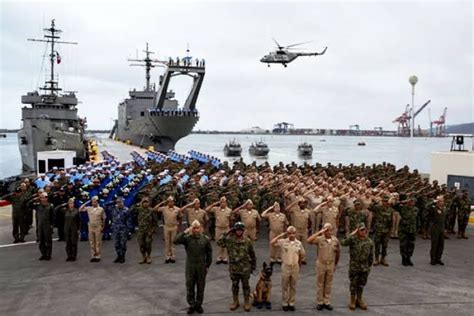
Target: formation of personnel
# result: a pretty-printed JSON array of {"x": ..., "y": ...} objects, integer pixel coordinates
[{"x": 196, "y": 203}]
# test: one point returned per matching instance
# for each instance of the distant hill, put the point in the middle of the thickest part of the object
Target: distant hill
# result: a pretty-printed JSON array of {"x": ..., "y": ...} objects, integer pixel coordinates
[{"x": 467, "y": 128}]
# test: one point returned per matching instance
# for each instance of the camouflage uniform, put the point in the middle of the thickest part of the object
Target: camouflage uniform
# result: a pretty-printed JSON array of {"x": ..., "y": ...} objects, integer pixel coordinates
[
  {"x": 121, "y": 225},
  {"x": 198, "y": 260},
  {"x": 407, "y": 232},
  {"x": 451, "y": 215},
  {"x": 355, "y": 218},
  {"x": 242, "y": 261},
  {"x": 438, "y": 219},
  {"x": 464, "y": 210},
  {"x": 146, "y": 225},
  {"x": 424, "y": 211},
  {"x": 361, "y": 253},
  {"x": 382, "y": 224}
]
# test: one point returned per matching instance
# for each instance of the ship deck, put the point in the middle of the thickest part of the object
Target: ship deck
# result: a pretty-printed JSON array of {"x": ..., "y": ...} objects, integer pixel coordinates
[{"x": 63, "y": 288}]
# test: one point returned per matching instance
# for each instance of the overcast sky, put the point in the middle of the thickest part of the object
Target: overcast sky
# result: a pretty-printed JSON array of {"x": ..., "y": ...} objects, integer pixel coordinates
[{"x": 362, "y": 79}]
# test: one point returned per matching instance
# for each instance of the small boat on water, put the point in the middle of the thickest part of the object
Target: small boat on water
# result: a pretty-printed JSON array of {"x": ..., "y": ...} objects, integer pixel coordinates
[
  {"x": 361, "y": 143},
  {"x": 305, "y": 149},
  {"x": 232, "y": 149},
  {"x": 259, "y": 149},
  {"x": 322, "y": 140},
  {"x": 3, "y": 135}
]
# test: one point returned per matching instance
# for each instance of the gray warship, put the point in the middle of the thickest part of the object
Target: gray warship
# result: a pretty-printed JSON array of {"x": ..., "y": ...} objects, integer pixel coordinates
[
  {"x": 51, "y": 121},
  {"x": 153, "y": 117}
]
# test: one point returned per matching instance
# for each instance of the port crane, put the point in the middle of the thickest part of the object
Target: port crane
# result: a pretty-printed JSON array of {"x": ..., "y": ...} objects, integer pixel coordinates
[
  {"x": 404, "y": 119},
  {"x": 440, "y": 124},
  {"x": 404, "y": 122},
  {"x": 282, "y": 128},
  {"x": 354, "y": 129}
]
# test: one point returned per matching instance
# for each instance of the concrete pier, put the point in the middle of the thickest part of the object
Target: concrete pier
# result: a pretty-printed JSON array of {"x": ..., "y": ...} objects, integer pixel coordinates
[{"x": 32, "y": 287}]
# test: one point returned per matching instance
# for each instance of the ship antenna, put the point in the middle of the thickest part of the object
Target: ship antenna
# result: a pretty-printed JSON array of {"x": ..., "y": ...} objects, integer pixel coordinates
[
  {"x": 52, "y": 37},
  {"x": 148, "y": 63}
]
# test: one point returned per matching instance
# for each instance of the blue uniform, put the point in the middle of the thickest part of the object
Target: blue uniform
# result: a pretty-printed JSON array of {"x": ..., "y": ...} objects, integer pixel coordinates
[
  {"x": 121, "y": 224},
  {"x": 106, "y": 204},
  {"x": 84, "y": 227}
]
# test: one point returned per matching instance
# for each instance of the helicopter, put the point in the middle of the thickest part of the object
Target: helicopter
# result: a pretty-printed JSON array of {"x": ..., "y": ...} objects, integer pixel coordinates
[{"x": 284, "y": 56}]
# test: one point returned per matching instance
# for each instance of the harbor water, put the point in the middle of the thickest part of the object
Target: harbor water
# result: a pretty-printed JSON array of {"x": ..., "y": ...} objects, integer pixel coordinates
[{"x": 415, "y": 153}]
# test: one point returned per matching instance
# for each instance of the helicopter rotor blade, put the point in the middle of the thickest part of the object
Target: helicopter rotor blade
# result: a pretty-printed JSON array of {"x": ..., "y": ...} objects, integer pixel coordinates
[
  {"x": 278, "y": 45},
  {"x": 297, "y": 44}
]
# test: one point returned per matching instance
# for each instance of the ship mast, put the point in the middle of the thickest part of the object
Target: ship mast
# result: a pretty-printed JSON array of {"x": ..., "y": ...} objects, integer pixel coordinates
[
  {"x": 52, "y": 37},
  {"x": 148, "y": 63}
]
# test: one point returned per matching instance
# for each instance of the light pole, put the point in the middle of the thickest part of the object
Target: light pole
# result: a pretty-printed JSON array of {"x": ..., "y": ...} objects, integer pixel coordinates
[{"x": 413, "y": 80}]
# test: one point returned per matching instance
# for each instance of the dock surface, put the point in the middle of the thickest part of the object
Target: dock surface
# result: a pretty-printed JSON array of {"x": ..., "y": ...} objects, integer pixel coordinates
[{"x": 32, "y": 287}]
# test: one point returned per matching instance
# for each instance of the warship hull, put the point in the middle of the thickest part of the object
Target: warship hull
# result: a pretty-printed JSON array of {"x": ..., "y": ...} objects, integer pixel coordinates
[
  {"x": 305, "y": 152},
  {"x": 259, "y": 152},
  {"x": 37, "y": 135},
  {"x": 232, "y": 152},
  {"x": 161, "y": 132},
  {"x": 153, "y": 117},
  {"x": 50, "y": 122}
]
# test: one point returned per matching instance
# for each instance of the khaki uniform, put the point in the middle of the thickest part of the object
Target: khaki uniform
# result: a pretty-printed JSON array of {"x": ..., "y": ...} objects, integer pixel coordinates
[
  {"x": 170, "y": 216},
  {"x": 250, "y": 220},
  {"x": 368, "y": 214},
  {"x": 223, "y": 216},
  {"x": 291, "y": 252},
  {"x": 199, "y": 215},
  {"x": 395, "y": 223},
  {"x": 277, "y": 223},
  {"x": 315, "y": 216},
  {"x": 327, "y": 249},
  {"x": 329, "y": 215},
  {"x": 96, "y": 223},
  {"x": 300, "y": 221}
]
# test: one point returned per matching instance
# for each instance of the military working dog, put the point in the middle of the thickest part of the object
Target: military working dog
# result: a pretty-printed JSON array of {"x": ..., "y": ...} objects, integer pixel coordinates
[{"x": 263, "y": 290}]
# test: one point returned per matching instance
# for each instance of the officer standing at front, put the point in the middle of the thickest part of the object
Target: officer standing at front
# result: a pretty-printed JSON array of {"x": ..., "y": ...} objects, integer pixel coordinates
[
  {"x": 71, "y": 229},
  {"x": 361, "y": 257},
  {"x": 45, "y": 220},
  {"x": 292, "y": 254},
  {"x": 96, "y": 215},
  {"x": 328, "y": 256},
  {"x": 171, "y": 218},
  {"x": 198, "y": 260},
  {"x": 437, "y": 219},
  {"x": 242, "y": 262},
  {"x": 146, "y": 227},
  {"x": 407, "y": 230},
  {"x": 121, "y": 226}
]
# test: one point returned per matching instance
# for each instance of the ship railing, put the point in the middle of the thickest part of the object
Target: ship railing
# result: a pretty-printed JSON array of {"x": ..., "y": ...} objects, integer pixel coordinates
[
  {"x": 186, "y": 62},
  {"x": 174, "y": 113}
]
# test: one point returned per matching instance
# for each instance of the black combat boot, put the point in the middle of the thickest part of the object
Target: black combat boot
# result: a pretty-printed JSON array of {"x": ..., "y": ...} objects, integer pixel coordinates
[{"x": 404, "y": 261}]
